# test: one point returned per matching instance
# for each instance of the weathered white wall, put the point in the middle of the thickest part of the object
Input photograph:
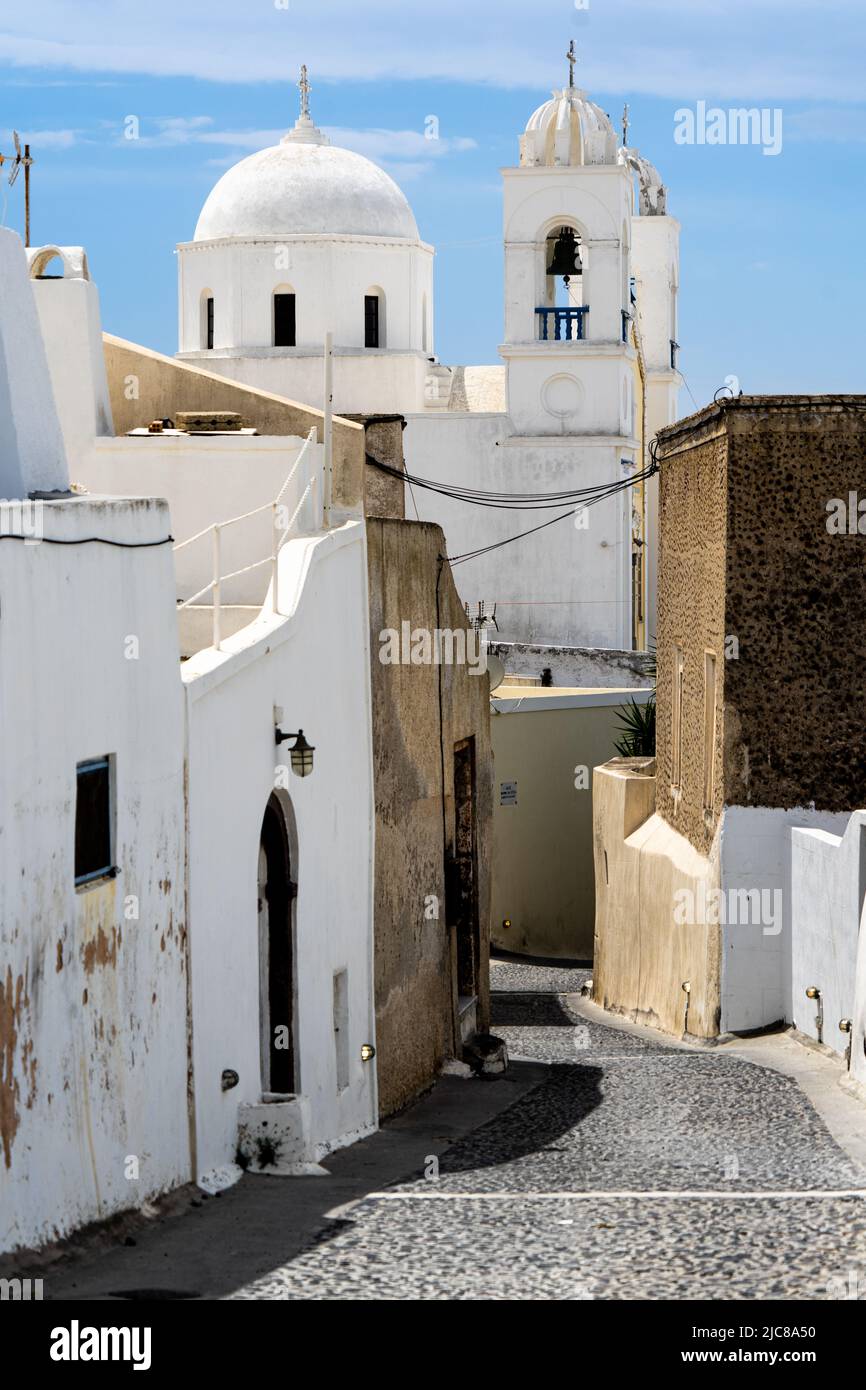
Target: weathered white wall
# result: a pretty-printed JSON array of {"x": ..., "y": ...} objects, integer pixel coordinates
[
  {"x": 755, "y": 854},
  {"x": 562, "y": 586},
  {"x": 315, "y": 665},
  {"x": 92, "y": 981},
  {"x": 378, "y": 381},
  {"x": 828, "y": 886},
  {"x": 574, "y": 666}
]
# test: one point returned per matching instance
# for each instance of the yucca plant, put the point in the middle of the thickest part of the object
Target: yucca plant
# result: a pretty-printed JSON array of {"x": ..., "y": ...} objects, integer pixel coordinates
[{"x": 638, "y": 728}]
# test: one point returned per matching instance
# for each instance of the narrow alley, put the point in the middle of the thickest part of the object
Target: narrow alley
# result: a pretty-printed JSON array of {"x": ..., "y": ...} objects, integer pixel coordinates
[{"x": 607, "y": 1164}]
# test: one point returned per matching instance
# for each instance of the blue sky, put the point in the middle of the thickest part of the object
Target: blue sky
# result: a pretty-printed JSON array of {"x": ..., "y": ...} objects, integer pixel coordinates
[{"x": 771, "y": 281}]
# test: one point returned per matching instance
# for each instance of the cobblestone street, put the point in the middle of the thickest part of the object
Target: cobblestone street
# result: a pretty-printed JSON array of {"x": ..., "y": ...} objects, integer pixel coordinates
[
  {"x": 555, "y": 1197},
  {"x": 614, "y": 1165}
]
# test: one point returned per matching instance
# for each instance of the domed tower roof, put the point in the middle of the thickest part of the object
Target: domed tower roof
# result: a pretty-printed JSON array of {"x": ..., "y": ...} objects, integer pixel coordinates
[
  {"x": 568, "y": 131},
  {"x": 305, "y": 186}
]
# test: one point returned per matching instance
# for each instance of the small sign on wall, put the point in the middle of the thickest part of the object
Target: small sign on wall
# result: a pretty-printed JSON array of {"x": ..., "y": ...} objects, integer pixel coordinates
[{"x": 508, "y": 793}]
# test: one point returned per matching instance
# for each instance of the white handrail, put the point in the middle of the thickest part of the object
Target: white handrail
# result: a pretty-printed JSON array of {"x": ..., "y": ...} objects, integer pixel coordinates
[{"x": 279, "y": 534}]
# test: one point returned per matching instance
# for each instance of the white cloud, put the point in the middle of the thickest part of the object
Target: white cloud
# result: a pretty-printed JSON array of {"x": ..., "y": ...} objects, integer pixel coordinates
[
  {"x": 761, "y": 49},
  {"x": 406, "y": 151},
  {"x": 42, "y": 139},
  {"x": 839, "y": 124}
]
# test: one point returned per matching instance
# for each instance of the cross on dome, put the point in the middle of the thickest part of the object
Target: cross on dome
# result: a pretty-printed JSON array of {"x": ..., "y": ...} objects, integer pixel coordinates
[
  {"x": 572, "y": 57},
  {"x": 305, "y": 89},
  {"x": 303, "y": 131}
]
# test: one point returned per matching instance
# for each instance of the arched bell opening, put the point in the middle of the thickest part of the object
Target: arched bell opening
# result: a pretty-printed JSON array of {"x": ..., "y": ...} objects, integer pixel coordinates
[{"x": 563, "y": 304}]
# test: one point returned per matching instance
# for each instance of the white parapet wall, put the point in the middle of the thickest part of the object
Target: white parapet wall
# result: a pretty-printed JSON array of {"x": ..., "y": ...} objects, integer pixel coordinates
[{"x": 313, "y": 666}]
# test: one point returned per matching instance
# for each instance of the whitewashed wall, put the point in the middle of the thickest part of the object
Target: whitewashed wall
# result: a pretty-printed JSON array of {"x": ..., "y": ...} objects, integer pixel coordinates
[
  {"x": 315, "y": 664},
  {"x": 756, "y": 965},
  {"x": 71, "y": 330},
  {"x": 92, "y": 982},
  {"x": 828, "y": 886},
  {"x": 563, "y": 586}
]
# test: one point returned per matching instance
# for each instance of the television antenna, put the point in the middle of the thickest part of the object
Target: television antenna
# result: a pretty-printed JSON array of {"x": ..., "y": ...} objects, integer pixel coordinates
[{"x": 20, "y": 161}]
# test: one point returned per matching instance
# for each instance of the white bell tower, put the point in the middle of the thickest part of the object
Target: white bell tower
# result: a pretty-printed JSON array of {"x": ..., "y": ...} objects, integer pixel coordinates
[{"x": 567, "y": 347}]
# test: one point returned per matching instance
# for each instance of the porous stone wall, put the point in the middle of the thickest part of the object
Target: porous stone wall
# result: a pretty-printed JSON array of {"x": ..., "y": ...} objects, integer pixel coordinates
[
  {"x": 691, "y": 614},
  {"x": 415, "y": 951},
  {"x": 749, "y": 570}
]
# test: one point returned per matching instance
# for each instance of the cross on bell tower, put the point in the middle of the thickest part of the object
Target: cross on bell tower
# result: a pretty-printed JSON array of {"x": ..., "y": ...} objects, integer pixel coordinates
[{"x": 625, "y": 126}]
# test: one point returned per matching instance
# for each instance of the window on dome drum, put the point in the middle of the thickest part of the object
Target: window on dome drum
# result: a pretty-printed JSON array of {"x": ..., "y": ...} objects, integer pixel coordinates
[
  {"x": 209, "y": 323},
  {"x": 371, "y": 320},
  {"x": 94, "y": 811},
  {"x": 284, "y": 320}
]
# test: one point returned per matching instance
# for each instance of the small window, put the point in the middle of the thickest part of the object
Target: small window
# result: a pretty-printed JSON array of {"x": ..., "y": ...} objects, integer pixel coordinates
[
  {"x": 284, "y": 320},
  {"x": 709, "y": 729},
  {"x": 371, "y": 320},
  {"x": 677, "y": 722},
  {"x": 209, "y": 323},
  {"x": 93, "y": 821}
]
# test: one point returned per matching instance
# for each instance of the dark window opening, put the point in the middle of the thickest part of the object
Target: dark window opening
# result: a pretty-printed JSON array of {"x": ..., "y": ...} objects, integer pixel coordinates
[
  {"x": 209, "y": 330},
  {"x": 465, "y": 870},
  {"x": 371, "y": 320},
  {"x": 93, "y": 838},
  {"x": 284, "y": 320}
]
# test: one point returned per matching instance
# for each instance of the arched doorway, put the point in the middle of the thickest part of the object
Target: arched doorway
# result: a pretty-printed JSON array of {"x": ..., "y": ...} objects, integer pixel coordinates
[{"x": 277, "y": 890}]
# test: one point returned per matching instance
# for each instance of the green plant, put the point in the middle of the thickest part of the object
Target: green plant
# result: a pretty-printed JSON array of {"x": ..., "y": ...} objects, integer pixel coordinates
[{"x": 638, "y": 729}]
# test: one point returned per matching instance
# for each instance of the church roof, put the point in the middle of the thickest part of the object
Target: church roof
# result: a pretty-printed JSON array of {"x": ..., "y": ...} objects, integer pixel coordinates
[
  {"x": 568, "y": 130},
  {"x": 306, "y": 186}
]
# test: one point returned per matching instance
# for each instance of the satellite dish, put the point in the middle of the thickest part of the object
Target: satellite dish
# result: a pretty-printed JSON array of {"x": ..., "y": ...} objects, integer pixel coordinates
[{"x": 495, "y": 670}]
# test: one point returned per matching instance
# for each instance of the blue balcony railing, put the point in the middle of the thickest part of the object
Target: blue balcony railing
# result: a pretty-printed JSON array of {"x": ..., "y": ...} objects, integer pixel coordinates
[{"x": 562, "y": 325}]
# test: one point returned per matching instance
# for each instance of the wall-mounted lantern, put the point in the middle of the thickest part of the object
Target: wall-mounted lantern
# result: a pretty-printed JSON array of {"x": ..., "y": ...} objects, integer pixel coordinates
[{"x": 300, "y": 753}]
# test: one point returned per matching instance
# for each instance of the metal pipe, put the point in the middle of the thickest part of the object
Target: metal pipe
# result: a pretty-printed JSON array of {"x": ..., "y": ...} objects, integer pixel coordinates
[
  {"x": 328, "y": 430},
  {"x": 275, "y": 562},
  {"x": 217, "y": 636}
]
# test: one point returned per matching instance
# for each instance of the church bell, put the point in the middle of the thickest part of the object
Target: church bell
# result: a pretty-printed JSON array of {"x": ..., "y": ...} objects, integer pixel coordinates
[{"x": 566, "y": 256}]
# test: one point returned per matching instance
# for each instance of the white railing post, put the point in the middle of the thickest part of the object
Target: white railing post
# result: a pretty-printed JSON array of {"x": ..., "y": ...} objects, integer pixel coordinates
[
  {"x": 275, "y": 561},
  {"x": 328, "y": 430},
  {"x": 216, "y": 588}
]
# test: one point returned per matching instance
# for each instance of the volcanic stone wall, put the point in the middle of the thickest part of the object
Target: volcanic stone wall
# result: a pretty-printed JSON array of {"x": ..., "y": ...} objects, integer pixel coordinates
[{"x": 762, "y": 561}]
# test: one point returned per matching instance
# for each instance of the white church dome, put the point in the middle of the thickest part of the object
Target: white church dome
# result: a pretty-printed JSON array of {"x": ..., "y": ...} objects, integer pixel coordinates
[
  {"x": 305, "y": 186},
  {"x": 568, "y": 130}
]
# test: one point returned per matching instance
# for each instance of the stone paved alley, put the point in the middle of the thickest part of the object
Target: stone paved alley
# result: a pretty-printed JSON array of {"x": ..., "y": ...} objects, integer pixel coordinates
[{"x": 609, "y": 1164}]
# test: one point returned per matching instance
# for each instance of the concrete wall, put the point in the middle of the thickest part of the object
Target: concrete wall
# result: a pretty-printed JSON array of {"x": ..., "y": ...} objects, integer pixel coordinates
[
  {"x": 643, "y": 957},
  {"x": 548, "y": 743},
  {"x": 93, "y": 1040},
  {"x": 32, "y": 452},
  {"x": 416, "y": 981},
  {"x": 315, "y": 665},
  {"x": 575, "y": 666},
  {"x": 145, "y": 386},
  {"x": 71, "y": 330},
  {"x": 579, "y": 593}
]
